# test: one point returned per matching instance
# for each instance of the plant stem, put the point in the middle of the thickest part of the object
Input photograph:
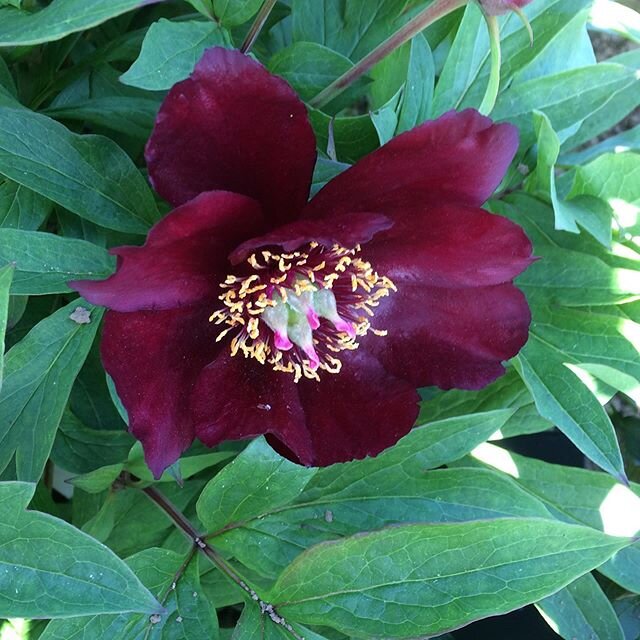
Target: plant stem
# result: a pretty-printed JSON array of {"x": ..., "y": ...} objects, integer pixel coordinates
[
  {"x": 257, "y": 25},
  {"x": 433, "y": 12},
  {"x": 493, "y": 86},
  {"x": 199, "y": 543}
]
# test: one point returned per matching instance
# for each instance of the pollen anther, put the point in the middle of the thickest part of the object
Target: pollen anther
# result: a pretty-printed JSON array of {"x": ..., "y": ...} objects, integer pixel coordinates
[{"x": 298, "y": 310}]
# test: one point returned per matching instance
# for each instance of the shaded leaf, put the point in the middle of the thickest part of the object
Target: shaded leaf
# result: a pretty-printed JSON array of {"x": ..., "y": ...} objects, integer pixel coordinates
[
  {"x": 51, "y": 569},
  {"x": 59, "y": 19},
  {"x": 39, "y": 373},
  {"x": 89, "y": 175}
]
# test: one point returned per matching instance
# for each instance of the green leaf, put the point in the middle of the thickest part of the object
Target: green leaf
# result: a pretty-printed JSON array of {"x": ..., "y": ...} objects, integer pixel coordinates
[
  {"x": 464, "y": 77},
  {"x": 566, "y": 98},
  {"x": 45, "y": 262},
  {"x": 418, "y": 88},
  {"x": 573, "y": 270},
  {"x": 6, "y": 274},
  {"x": 254, "y": 625},
  {"x": 507, "y": 392},
  {"x": 324, "y": 171},
  {"x": 580, "y": 496},
  {"x": 186, "y": 614},
  {"x": 414, "y": 580},
  {"x": 79, "y": 449},
  {"x": 569, "y": 213},
  {"x": 310, "y": 67},
  {"x": 587, "y": 337},
  {"x": 628, "y": 611},
  {"x": 124, "y": 114},
  {"x": 628, "y": 140},
  {"x": 351, "y": 28},
  {"x": 581, "y": 610},
  {"x": 52, "y": 569},
  {"x": 355, "y": 136},
  {"x": 614, "y": 178},
  {"x": 139, "y": 524},
  {"x": 89, "y": 175},
  {"x": 258, "y": 480},
  {"x": 231, "y": 13},
  {"x": 563, "y": 399},
  {"x": 98, "y": 480},
  {"x": 185, "y": 467},
  {"x": 21, "y": 208},
  {"x": 39, "y": 373},
  {"x": 271, "y": 541},
  {"x": 59, "y": 19},
  {"x": 170, "y": 51},
  {"x": 205, "y": 7}
]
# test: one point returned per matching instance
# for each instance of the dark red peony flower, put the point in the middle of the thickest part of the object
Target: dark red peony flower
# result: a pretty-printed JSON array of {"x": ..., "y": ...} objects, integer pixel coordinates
[{"x": 249, "y": 311}]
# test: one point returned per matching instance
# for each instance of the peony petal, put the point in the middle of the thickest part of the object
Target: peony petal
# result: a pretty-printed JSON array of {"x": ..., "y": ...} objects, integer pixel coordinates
[
  {"x": 233, "y": 126},
  {"x": 358, "y": 412},
  {"x": 450, "y": 246},
  {"x": 347, "y": 231},
  {"x": 452, "y": 338},
  {"x": 154, "y": 358},
  {"x": 238, "y": 398},
  {"x": 458, "y": 158},
  {"x": 184, "y": 258}
]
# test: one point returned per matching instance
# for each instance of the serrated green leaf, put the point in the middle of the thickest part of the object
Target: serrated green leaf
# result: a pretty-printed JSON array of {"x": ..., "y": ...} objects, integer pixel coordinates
[
  {"x": 39, "y": 373},
  {"x": 267, "y": 544},
  {"x": 45, "y": 262},
  {"x": 258, "y": 480},
  {"x": 580, "y": 496},
  {"x": 59, "y": 19},
  {"x": 563, "y": 399},
  {"x": 581, "y": 610},
  {"x": 415, "y": 580},
  {"x": 6, "y": 274},
  {"x": 89, "y": 175},
  {"x": 170, "y": 51},
  {"x": 51, "y": 569},
  {"x": 21, "y": 208}
]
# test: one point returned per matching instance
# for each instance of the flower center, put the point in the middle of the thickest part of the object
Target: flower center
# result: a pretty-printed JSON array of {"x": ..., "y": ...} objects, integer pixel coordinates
[{"x": 297, "y": 311}]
